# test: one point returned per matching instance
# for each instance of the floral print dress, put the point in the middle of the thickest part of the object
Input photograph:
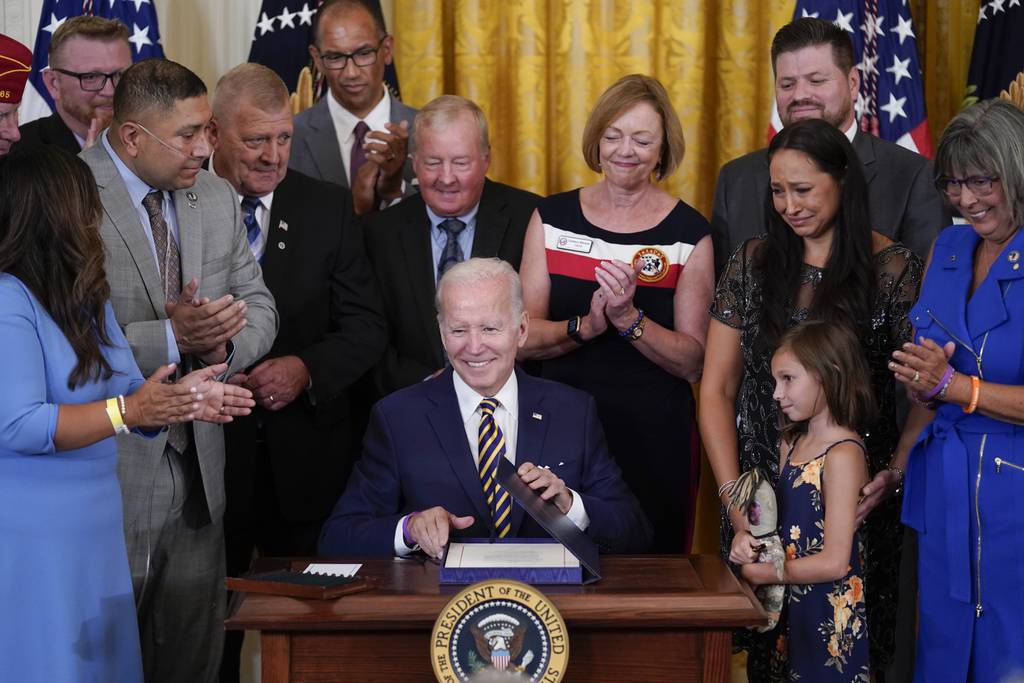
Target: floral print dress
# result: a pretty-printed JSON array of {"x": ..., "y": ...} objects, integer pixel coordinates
[
  {"x": 825, "y": 624},
  {"x": 738, "y": 304}
]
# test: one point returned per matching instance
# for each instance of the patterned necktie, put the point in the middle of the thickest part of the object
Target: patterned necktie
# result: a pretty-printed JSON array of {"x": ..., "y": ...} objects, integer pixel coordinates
[
  {"x": 492, "y": 448},
  {"x": 358, "y": 155},
  {"x": 168, "y": 258},
  {"x": 452, "y": 252},
  {"x": 169, "y": 263},
  {"x": 257, "y": 244}
]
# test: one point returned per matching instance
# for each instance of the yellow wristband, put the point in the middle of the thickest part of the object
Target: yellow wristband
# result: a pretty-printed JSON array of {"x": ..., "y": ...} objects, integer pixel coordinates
[{"x": 114, "y": 413}]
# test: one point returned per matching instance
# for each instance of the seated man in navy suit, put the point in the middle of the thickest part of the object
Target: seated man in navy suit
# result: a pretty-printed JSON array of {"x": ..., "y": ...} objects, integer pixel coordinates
[{"x": 419, "y": 481}]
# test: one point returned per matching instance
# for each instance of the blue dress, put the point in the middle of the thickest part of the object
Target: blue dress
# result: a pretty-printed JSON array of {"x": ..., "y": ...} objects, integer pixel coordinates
[
  {"x": 825, "y": 623},
  {"x": 67, "y": 612},
  {"x": 965, "y": 476}
]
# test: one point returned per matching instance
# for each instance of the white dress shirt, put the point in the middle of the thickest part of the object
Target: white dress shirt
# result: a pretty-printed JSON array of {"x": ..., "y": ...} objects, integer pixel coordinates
[
  {"x": 506, "y": 416},
  {"x": 345, "y": 126}
]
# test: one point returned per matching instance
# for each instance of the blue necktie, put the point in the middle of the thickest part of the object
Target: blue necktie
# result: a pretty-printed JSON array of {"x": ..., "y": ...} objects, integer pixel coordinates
[
  {"x": 252, "y": 226},
  {"x": 492, "y": 448},
  {"x": 452, "y": 252}
]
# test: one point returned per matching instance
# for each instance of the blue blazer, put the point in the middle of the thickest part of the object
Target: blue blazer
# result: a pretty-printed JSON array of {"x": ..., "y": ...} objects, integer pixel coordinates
[
  {"x": 965, "y": 475},
  {"x": 415, "y": 456}
]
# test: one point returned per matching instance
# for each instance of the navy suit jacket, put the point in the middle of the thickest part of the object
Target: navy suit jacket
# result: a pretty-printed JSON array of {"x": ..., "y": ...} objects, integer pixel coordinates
[{"x": 415, "y": 456}]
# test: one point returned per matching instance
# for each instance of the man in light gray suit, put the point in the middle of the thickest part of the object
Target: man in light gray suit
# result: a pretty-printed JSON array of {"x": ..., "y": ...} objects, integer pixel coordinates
[
  {"x": 815, "y": 77},
  {"x": 357, "y": 135},
  {"x": 186, "y": 290}
]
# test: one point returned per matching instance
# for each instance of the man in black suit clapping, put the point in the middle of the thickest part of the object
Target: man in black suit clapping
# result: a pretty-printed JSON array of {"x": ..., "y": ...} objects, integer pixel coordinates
[{"x": 289, "y": 461}]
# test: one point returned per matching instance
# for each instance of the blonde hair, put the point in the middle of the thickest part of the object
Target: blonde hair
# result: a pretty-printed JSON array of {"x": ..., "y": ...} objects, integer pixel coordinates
[
  {"x": 442, "y": 110},
  {"x": 625, "y": 93},
  {"x": 253, "y": 83}
]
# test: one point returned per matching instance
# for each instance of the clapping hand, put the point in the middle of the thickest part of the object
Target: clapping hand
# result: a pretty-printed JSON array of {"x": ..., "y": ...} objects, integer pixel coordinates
[{"x": 617, "y": 280}]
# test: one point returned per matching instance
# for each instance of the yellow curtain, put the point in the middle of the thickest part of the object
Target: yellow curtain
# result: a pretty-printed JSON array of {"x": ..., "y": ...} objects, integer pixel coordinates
[
  {"x": 945, "y": 37},
  {"x": 536, "y": 67}
]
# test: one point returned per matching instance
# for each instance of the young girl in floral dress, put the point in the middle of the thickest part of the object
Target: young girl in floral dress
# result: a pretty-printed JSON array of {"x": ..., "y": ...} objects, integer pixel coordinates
[{"x": 823, "y": 387}]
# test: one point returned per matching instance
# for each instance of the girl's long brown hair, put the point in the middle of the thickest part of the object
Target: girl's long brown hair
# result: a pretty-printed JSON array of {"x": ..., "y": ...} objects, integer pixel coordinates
[
  {"x": 833, "y": 354},
  {"x": 50, "y": 214}
]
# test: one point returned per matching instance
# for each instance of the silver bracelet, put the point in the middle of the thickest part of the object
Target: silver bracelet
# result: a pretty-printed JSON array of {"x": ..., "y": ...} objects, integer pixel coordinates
[{"x": 726, "y": 487}]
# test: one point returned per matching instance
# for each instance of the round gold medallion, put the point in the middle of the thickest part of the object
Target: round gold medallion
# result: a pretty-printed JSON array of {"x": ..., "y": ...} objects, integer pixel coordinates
[
  {"x": 654, "y": 264},
  {"x": 500, "y": 625}
]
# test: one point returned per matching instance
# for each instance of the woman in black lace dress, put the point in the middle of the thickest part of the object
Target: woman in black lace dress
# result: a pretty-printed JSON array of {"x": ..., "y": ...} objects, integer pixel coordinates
[{"x": 819, "y": 260}]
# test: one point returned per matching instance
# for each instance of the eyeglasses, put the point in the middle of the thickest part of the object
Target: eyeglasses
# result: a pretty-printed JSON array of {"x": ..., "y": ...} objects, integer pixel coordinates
[
  {"x": 979, "y": 185},
  {"x": 92, "y": 81},
  {"x": 335, "y": 61}
]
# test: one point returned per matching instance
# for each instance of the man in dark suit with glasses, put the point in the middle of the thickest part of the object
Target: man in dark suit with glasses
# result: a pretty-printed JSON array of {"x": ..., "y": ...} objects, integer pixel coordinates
[
  {"x": 87, "y": 56},
  {"x": 357, "y": 135}
]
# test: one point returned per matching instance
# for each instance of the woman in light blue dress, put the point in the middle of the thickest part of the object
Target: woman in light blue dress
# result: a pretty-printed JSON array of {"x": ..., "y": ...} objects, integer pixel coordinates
[
  {"x": 965, "y": 476},
  {"x": 67, "y": 611}
]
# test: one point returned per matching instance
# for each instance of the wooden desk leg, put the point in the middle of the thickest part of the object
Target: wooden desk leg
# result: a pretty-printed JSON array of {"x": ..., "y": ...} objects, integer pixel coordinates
[
  {"x": 275, "y": 661},
  {"x": 717, "y": 656}
]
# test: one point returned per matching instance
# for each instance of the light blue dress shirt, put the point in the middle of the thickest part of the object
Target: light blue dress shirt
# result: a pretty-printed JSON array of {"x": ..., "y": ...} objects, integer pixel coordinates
[
  {"x": 438, "y": 237},
  {"x": 137, "y": 191}
]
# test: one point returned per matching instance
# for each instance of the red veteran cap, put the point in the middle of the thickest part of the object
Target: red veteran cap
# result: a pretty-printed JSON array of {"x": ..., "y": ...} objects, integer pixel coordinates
[{"x": 15, "y": 65}]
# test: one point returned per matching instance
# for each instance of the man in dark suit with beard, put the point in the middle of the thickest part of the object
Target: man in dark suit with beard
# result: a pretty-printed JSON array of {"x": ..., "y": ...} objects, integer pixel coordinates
[
  {"x": 815, "y": 77},
  {"x": 87, "y": 57},
  {"x": 457, "y": 214},
  {"x": 288, "y": 462}
]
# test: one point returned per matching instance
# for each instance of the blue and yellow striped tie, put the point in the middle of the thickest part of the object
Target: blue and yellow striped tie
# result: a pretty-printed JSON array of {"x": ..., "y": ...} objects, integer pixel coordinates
[{"x": 492, "y": 448}]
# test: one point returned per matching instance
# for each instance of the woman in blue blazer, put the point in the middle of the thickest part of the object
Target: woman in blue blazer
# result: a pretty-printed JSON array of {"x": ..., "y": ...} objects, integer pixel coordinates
[{"x": 965, "y": 474}]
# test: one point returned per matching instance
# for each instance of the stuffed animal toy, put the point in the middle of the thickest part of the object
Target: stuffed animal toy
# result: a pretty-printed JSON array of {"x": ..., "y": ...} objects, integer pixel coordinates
[{"x": 754, "y": 496}]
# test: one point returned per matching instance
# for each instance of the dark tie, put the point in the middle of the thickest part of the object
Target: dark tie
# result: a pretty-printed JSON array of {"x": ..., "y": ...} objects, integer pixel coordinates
[
  {"x": 491, "y": 444},
  {"x": 358, "y": 156},
  {"x": 452, "y": 252},
  {"x": 167, "y": 256},
  {"x": 252, "y": 226},
  {"x": 169, "y": 263}
]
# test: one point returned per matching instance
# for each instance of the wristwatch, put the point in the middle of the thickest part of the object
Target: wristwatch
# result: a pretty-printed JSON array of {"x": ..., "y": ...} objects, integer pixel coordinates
[
  {"x": 638, "y": 329},
  {"x": 572, "y": 328}
]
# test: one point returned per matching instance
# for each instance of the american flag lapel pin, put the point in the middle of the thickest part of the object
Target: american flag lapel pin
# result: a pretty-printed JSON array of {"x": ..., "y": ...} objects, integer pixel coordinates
[
  {"x": 283, "y": 225},
  {"x": 538, "y": 416}
]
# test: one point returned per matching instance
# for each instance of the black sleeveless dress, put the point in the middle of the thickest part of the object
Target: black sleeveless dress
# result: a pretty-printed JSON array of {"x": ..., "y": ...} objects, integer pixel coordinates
[{"x": 647, "y": 413}]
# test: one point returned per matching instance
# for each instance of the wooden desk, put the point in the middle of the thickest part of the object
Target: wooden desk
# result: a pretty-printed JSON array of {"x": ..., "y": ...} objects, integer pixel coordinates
[{"x": 651, "y": 618}]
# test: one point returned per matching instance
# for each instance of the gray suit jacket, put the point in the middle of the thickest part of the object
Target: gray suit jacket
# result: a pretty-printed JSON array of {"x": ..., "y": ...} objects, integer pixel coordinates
[
  {"x": 904, "y": 204},
  {"x": 315, "y": 150},
  {"x": 215, "y": 251}
]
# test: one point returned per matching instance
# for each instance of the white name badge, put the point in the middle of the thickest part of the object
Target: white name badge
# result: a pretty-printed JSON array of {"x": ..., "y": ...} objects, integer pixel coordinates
[{"x": 577, "y": 244}]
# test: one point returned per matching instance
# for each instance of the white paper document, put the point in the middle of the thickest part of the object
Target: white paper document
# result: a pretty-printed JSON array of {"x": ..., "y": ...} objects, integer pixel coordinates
[
  {"x": 501, "y": 555},
  {"x": 325, "y": 569}
]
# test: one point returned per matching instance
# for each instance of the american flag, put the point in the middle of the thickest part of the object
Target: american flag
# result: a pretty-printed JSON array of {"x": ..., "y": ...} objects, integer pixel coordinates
[
  {"x": 998, "y": 55},
  {"x": 283, "y": 34},
  {"x": 890, "y": 104},
  {"x": 143, "y": 35}
]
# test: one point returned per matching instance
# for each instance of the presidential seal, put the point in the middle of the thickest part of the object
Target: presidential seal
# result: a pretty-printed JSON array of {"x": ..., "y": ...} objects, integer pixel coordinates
[
  {"x": 500, "y": 626},
  {"x": 653, "y": 264}
]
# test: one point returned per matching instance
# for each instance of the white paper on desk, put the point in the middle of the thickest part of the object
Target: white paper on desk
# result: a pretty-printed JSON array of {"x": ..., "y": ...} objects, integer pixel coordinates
[
  {"x": 325, "y": 569},
  {"x": 500, "y": 555}
]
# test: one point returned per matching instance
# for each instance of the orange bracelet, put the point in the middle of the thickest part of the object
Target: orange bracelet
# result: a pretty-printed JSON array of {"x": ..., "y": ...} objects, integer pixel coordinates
[{"x": 975, "y": 394}]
